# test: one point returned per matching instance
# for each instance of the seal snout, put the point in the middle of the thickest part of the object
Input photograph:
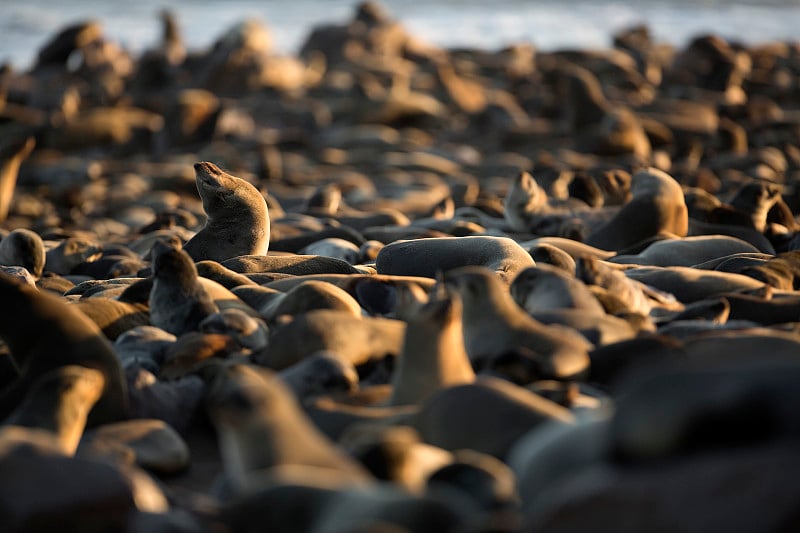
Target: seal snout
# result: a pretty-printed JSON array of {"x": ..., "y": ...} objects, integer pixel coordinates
[{"x": 206, "y": 167}]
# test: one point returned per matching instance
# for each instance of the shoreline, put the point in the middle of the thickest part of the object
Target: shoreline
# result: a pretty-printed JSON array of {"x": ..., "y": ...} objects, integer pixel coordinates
[{"x": 538, "y": 25}]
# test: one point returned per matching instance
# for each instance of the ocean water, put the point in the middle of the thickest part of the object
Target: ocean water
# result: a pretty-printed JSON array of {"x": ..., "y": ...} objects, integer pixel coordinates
[{"x": 547, "y": 24}]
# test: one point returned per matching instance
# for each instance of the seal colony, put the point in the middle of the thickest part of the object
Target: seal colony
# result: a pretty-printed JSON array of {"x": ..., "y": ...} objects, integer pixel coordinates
[{"x": 382, "y": 285}]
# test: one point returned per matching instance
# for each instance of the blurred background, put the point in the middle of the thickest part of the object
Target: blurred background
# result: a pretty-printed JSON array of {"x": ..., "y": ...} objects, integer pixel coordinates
[{"x": 547, "y": 24}]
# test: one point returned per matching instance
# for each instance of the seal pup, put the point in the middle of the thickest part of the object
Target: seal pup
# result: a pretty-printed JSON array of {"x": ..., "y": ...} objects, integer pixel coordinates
[
  {"x": 238, "y": 220},
  {"x": 433, "y": 355},
  {"x": 71, "y": 338},
  {"x": 59, "y": 402},
  {"x": 260, "y": 425},
  {"x": 25, "y": 248},
  {"x": 657, "y": 206},
  {"x": 178, "y": 302},
  {"x": 494, "y": 324}
]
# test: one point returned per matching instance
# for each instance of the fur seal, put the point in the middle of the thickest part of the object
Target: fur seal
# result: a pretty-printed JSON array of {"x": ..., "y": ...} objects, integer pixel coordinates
[
  {"x": 575, "y": 249},
  {"x": 113, "y": 316},
  {"x": 194, "y": 350},
  {"x": 543, "y": 288},
  {"x": 524, "y": 201},
  {"x": 71, "y": 252},
  {"x": 178, "y": 302},
  {"x": 433, "y": 355},
  {"x": 60, "y": 401},
  {"x": 334, "y": 247},
  {"x": 691, "y": 284},
  {"x": 359, "y": 340},
  {"x": 552, "y": 255},
  {"x": 657, "y": 206},
  {"x": 260, "y": 425},
  {"x": 238, "y": 220},
  {"x": 247, "y": 331},
  {"x": 320, "y": 373},
  {"x": 395, "y": 454},
  {"x": 634, "y": 296},
  {"x": 23, "y": 247},
  {"x": 149, "y": 443},
  {"x": 222, "y": 275},
  {"x": 426, "y": 257},
  {"x": 308, "y": 296},
  {"x": 487, "y": 416},
  {"x": 143, "y": 347},
  {"x": 44, "y": 333},
  {"x": 296, "y": 265},
  {"x": 495, "y": 324},
  {"x": 687, "y": 251}
]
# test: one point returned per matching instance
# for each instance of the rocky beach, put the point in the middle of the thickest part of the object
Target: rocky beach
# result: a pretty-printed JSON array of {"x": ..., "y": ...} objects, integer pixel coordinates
[{"x": 384, "y": 285}]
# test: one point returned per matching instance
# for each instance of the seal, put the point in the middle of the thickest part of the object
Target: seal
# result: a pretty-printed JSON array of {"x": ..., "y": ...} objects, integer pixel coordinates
[
  {"x": 359, "y": 340},
  {"x": 23, "y": 247},
  {"x": 59, "y": 402},
  {"x": 524, "y": 201},
  {"x": 44, "y": 333},
  {"x": 260, "y": 425},
  {"x": 691, "y": 284},
  {"x": 545, "y": 287},
  {"x": 238, "y": 219},
  {"x": 688, "y": 251},
  {"x": 334, "y": 247},
  {"x": 178, "y": 302},
  {"x": 552, "y": 255},
  {"x": 748, "y": 207},
  {"x": 657, "y": 206},
  {"x": 310, "y": 295},
  {"x": 113, "y": 316},
  {"x": 494, "y": 324},
  {"x": 247, "y": 331},
  {"x": 395, "y": 454},
  {"x": 296, "y": 265},
  {"x": 426, "y": 257},
  {"x": 477, "y": 416},
  {"x": 433, "y": 355},
  {"x": 71, "y": 252},
  {"x": 318, "y": 374}
]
